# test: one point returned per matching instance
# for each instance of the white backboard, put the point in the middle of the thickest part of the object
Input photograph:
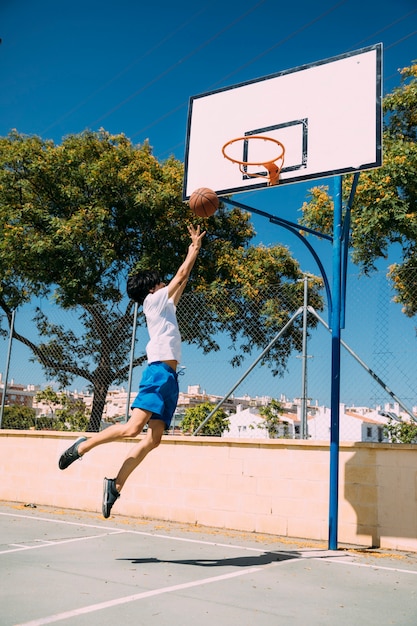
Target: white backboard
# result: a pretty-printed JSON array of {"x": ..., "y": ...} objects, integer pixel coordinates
[{"x": 328, "y": 115}]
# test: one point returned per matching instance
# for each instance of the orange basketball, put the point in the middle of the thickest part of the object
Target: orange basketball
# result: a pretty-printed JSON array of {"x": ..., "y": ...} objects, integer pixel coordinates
[{"x": 204, "y": 202}]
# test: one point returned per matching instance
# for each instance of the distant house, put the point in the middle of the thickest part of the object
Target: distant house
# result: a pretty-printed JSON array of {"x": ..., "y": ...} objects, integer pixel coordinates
[
  {"x": 356, "y": 424},
  {"x": 246, "y": 423},
  {"x": 17, "y": 394}
]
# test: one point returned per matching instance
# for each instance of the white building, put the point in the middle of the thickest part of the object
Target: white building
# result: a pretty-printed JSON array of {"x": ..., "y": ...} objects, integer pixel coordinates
[
  {"x": 356, "y": 423},
  {"x": 17, "y": 394},
  {"x": 246, "y": 423}
]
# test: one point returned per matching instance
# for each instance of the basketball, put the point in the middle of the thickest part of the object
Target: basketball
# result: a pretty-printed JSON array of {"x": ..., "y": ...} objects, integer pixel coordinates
[{"x": 204, "y": 202}]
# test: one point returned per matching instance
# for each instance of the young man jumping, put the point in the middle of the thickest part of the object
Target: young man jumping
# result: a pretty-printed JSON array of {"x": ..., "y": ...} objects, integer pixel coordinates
[{"x": 157, "y": 399}]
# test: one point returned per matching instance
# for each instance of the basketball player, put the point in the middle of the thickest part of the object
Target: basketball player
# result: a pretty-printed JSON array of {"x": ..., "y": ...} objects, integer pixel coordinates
[{"x": 157, "y": 399}]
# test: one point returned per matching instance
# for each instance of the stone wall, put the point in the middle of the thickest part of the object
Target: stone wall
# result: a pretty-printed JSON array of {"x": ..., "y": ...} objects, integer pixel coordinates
[{"x": 279, "y": 487}]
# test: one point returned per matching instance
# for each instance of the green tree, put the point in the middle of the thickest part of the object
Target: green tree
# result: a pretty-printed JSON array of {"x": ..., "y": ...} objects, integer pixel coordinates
[
  {"x": 401, "y": 432},
  {"x": 18, "y": 417},
  {"x": 49, "y": 397},
  {"x": 65, "y": 412},
  {"x": 193, "y": 417},
  {"x": 384, "y": 211},
  {"x": 272, "y": 417},
  {"x": 75, "y": 218}
]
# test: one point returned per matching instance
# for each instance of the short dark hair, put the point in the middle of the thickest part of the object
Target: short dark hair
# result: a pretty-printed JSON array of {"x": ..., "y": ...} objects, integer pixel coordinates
[{"x": 140, "y": 284}]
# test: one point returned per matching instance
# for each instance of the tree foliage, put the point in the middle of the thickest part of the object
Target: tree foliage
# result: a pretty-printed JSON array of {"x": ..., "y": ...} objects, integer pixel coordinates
[
  {"x": 401, "y": 432},
  {"x": 76, "y": 218},
  {"x": 65, "y": 412},
  {"x": 384, "y": 211},
  {"x": 18, "y": 417},
  {"x": 193, "y": 417},
  {"x": 272, "y": 417}
]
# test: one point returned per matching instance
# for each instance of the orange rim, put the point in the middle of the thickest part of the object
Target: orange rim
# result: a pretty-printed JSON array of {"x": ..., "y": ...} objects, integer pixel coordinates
[{"x": 274, "y": 168}]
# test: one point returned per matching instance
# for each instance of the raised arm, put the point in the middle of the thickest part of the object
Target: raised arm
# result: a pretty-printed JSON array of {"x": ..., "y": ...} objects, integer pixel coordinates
[{"x": 177, "y": 285}]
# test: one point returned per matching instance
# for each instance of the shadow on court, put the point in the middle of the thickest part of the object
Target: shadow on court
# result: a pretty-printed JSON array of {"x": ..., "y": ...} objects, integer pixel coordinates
[{"x": 244, "y": 561}]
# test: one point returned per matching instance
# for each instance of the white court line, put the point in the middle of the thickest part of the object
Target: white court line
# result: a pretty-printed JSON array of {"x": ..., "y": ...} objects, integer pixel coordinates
[
  {"x": 49, "y": 544},
  {"x": 22, "y": 544},
  {"x": 133, "y": 598},
  {"x": 136, "y": 532},
  {"x": 39, "y": 541},
  {"x": 369, "y": 565}
]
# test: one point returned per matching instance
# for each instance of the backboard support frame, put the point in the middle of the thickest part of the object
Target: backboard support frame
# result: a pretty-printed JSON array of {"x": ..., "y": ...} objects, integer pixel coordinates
[{"x": 341, "y": 226}]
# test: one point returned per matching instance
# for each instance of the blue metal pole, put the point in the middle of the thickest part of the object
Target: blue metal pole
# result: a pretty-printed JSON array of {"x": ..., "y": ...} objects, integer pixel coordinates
[{"x": 335, "y": 379}]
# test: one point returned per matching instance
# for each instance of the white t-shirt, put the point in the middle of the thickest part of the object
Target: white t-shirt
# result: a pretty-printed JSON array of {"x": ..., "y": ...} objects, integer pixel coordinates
[{"x": 161, "y": 320}]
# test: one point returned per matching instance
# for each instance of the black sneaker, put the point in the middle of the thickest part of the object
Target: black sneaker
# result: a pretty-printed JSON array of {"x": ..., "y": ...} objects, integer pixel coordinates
[
  {"x": 110, "y": 495},
  {"x": 70, "y": 455}
]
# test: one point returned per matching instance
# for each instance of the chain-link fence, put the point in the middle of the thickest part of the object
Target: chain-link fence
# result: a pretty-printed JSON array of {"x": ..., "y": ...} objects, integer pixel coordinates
[{"x": 240, "y": 352}]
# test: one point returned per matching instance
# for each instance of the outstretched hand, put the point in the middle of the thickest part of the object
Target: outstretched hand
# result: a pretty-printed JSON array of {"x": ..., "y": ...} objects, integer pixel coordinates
[{"x": 196, "y": 235}]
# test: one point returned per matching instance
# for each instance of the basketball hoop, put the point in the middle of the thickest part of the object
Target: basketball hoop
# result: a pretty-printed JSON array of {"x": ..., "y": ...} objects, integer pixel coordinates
[{"x": 274, "y": 166}]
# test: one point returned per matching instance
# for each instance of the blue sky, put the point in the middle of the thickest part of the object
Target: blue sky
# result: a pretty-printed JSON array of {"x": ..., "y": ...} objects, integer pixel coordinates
[{"x": 131, "y": 67}]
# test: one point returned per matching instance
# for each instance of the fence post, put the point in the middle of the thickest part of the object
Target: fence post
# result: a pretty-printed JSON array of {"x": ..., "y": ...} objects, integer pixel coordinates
[
  {"x": 6, "y": 373},
  {"x": 304, "y": 399},
  {"x": 132, "y": 356}
]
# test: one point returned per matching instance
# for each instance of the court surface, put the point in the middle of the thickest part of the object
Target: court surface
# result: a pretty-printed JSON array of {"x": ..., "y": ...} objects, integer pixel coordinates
[{"x": 72, "y": 567}]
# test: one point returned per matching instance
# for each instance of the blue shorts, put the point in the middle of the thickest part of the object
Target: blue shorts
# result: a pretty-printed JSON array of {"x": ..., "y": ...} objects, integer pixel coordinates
[{"x": 158, "y": 392}]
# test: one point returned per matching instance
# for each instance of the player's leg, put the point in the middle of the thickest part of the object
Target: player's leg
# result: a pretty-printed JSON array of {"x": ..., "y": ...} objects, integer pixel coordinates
[
  {"x": 113, "y": 486},
  {"x": 139, "y": 451},
  {"x": 131, "y": 428}
]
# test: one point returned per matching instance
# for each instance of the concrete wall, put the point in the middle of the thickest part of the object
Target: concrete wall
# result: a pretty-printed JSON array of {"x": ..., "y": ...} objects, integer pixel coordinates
[{"x": 279, "y": 487}]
